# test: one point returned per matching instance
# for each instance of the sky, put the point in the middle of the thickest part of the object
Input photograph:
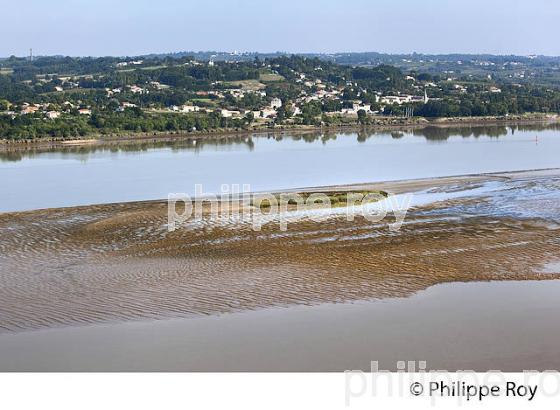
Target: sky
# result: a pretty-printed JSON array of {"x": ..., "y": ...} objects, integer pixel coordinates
[{"x": 135, "y": 27}]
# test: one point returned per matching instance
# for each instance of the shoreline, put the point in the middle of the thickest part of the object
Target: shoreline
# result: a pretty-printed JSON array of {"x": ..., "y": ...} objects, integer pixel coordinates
[
  {"x": 392, "y": 187},
  {"x": 389, "y": 124}
]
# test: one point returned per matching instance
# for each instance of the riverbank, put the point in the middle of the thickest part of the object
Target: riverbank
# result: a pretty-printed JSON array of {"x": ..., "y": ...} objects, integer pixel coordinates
[{"x": 379, "y": 125}]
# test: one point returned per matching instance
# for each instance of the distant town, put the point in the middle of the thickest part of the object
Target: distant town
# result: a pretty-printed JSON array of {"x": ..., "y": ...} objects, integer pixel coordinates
[{"x": 66, "y": 97}]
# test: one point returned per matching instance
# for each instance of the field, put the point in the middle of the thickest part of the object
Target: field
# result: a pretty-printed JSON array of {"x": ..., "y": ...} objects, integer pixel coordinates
[
  {"x": 270, "y": 77},
  {"x": 247, "y": 84}
]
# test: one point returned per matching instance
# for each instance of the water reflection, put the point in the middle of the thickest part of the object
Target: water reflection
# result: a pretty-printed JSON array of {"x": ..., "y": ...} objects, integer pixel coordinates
[
  {"x": 247, "y": 142},
  {"x": 121, "y": 172}
]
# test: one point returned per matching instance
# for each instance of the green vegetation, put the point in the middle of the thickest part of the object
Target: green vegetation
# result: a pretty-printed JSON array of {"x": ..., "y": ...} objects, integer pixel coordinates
[
  {"x": 64, "y": 97},
  {"x": 106, "y": 122},
  {"x": 269, "y": 77},
  {"x": 246, "y": 84},
  {"x": 337, "y": 199}
]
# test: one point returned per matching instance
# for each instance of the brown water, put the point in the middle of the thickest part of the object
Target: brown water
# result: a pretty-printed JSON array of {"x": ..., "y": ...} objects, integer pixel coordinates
[{"x": 510, "y": 326}]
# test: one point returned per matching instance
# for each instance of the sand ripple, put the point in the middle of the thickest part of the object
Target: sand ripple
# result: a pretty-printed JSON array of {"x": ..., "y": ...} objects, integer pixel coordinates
[{"x": 112, "y": 263}]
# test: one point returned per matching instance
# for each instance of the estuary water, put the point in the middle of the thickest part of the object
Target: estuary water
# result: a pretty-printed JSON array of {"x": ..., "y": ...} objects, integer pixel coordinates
[
  {"x": 461, "y": 326},
  {"x": 70, "y": 176}
]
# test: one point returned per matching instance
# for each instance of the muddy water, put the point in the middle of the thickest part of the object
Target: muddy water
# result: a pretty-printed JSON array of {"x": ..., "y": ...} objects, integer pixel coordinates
[
  {"x": 461, "y": 326},
  {"x": 37, "y": 179},
  {"x": 117, "y": 263}
]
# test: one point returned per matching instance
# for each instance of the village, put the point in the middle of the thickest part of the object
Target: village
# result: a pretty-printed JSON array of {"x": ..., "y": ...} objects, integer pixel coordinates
[
  {"x": 312, "y": 90},
  {"x": 224, "y": 99},
  {"x": 76, "y": 97}
]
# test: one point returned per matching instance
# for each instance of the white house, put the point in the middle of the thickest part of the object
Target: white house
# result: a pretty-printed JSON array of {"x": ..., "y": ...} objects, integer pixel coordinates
[
  {"x": 276, "y": 103},
  {"x": 137, "y": 90},
  {"x": 403, "y": 99},
  {"x": 230, "y": 114},
  {"x": 188, "y": 108},
  {"x": 265, "y": 113},
  {"x": 52, "y": 115}
]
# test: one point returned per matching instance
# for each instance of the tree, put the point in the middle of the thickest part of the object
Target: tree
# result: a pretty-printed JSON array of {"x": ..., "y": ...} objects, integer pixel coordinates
[
  {"x": 280, "y": 115},
  {"x": 249, "y": 117},
  {"x": 362, "y": 116}
]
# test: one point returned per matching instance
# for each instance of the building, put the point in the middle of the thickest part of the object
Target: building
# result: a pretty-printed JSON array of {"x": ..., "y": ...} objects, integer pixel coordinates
[
  {"x": 265, "y": 113},
  {"x": 158, "y": 86},
  {"x": 230, "y": 114},
  {"x": 52, "y": 115},
  {"x": 355, "y": 108},
  {"x": 276, "y": 103},
  {"x": 29, "y": 109},
  {"x": 460, "y": 88},
  {"x": 188, "y": 108},
  {"x": 137, "y": 90},
  {"x": 395, "y": 99},
  {"x": 404, "y": 99}
]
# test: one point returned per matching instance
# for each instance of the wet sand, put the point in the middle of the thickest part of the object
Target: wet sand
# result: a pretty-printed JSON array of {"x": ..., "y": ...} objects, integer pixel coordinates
[{"x": 80, "y": 277}]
